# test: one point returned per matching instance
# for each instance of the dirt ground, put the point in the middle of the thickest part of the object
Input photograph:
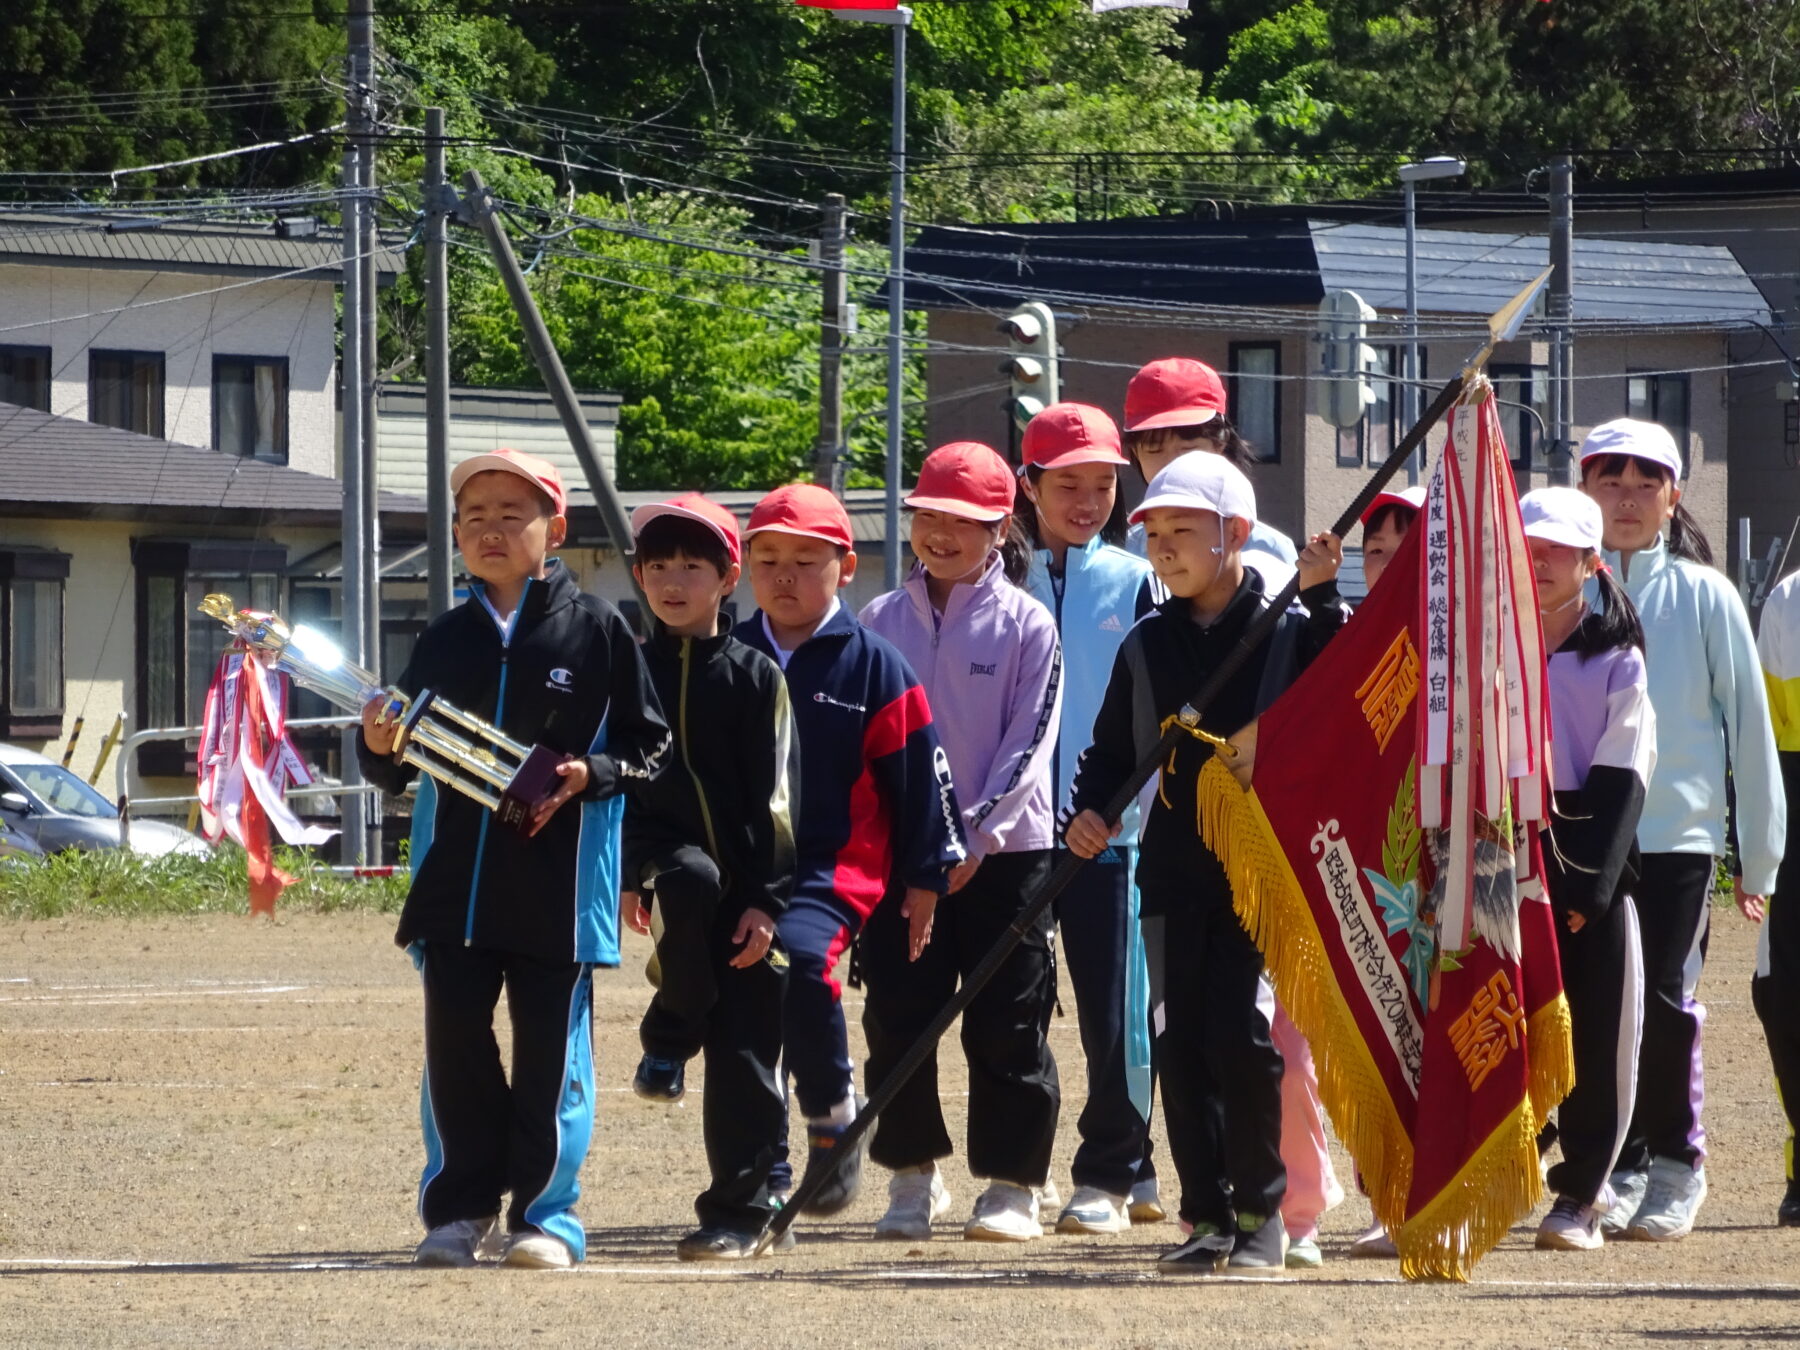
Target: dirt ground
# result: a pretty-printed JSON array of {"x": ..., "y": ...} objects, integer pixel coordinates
[{"x": 209, "y": 1136}]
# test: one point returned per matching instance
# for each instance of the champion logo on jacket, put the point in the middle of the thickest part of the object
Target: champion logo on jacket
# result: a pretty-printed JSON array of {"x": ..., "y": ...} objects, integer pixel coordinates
[{"x": 877, "y": 810}]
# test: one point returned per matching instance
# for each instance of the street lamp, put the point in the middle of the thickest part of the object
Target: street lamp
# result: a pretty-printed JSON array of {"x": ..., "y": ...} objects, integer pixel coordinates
[{"x": 1438, "y": 166}]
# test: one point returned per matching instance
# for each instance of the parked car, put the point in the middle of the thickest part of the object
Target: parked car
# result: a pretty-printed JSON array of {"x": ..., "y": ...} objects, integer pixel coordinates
[{"x": 45, "y": 804}]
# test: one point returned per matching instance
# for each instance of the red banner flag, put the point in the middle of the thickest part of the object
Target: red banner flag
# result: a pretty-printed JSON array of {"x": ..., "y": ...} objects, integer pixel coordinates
[
  {"x": 247, "y": 762},
  {"x": 851, "y": 4},
  {"x": 1390, "y": 878}
]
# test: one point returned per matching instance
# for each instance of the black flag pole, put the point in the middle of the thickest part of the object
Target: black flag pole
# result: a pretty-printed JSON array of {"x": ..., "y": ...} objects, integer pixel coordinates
[{"x": 1501, "y": 327}]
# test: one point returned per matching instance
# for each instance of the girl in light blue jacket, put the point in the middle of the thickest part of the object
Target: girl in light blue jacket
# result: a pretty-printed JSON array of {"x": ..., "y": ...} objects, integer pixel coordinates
[
  {"x": 1096, "y": 590},
  {"x": 1712, "y": 719}
]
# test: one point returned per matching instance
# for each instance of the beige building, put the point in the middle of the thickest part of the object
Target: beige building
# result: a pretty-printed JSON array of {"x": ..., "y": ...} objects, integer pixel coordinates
[{"x": 1243, "y": 297}]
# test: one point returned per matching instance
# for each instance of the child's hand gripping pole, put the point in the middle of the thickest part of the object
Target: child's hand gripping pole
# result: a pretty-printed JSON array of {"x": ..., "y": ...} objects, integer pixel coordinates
[{"x": 1174, "y": 730}]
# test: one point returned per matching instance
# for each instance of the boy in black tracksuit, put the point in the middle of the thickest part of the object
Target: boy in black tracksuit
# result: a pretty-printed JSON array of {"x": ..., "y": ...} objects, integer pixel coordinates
[
  {"x": 712, "y": 842},
  {"x": 1220, "y": 1070},
  {"x": 491, "y": 907}
]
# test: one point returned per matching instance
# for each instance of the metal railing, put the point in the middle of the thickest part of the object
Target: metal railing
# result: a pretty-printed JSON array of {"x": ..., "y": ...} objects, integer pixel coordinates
[{"x": 128, "y": 762}]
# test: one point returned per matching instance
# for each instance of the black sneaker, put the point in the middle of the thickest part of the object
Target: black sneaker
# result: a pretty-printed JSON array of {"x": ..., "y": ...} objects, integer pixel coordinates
[
  {"x": 821, "y": 1146},
  {"x": 660, "y": 1080},
  {"x": 1260, "y": 1247},
  {"x": 727, "y": 1244},
  {"x": 1789, "y": 1214},
  {"x": 1204, "y": 1253}
]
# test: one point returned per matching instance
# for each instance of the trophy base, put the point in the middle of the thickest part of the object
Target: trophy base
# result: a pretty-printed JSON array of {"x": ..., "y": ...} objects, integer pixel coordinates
[{"x": 536, "y": 782}]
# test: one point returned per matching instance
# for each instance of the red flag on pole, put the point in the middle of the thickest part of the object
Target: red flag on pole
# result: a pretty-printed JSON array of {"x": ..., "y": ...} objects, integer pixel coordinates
[
  {"x": 851, "y": 4},
  {"x": 1385, "y": 861}
]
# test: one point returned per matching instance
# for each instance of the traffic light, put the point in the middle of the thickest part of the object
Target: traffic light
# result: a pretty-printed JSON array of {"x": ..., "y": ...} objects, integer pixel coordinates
[
  {"x": 1031, "y": 333},
  {"x": 1342, "y": 389}
]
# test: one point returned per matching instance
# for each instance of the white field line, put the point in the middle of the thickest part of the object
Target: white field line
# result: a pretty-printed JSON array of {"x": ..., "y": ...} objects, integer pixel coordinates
[{"x": 674, "y": 1272}]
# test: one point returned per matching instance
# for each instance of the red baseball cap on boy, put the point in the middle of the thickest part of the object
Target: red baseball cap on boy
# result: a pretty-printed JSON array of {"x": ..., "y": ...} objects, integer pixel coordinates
[
  {"x": 804, "y": 509},
  {"x": 1174, "y": 392},
  {"x": 1065, "y": 434},
  {"x": 967, "y": 479},
  {"x": 1410, "y": 498},
  {"x": 693, "y": 506},
  {"x": 540, "y": 473}
]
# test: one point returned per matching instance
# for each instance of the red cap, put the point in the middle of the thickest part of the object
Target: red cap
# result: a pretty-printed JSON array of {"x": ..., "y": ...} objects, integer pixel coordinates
[
  {"x": 1071, "y": 433},
  {"x": 1410, "y": 498},
  {"x": 804, "y": 509},
  {"x": 540, "y": 473},
  {"x": 1174, "y": 392},
  {"x": 692, "y": 506},
  {"x": 967, "y": 479}
]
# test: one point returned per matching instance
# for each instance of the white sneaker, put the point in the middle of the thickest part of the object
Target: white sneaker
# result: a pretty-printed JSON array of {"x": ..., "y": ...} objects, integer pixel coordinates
[
  {"x": 1049, "y": 1201},
  {"x": 916, "y": 1196},
  {"x": 454, "y": 1244},
  {"x": 1004, "y": 1213},
  {"x": 1628, "y": 1190},
  {"x": 532, "y": 1250},
  {"x": 1145, "y": 1203},
  {"x": 1303, "y": 1254},
  {"x": 1671, "y": 1204},
  {"x": 1570, "y": 1226},
  {"x": 1092, "y": 1210},
  {"x": 1375, "y": 1244}
]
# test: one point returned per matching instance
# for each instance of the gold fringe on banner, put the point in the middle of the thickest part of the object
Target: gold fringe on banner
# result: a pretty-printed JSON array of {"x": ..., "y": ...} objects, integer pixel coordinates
[
  {"x": 1549, "y": 1040},
  {"x": 1464, "y": 1220},
  {"x": 1273, "y": 908}
]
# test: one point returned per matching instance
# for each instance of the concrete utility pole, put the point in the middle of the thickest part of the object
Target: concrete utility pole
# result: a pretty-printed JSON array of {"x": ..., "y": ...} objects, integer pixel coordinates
[
  {"x": 828, "y": 462},
  {"x": 371, "y": 363},
  {"x": 1559, "y": 307},
  {"x": 437, "y": 368},
  {"x": 357, "y": 361},
  {"x": 480, "y": 204}
]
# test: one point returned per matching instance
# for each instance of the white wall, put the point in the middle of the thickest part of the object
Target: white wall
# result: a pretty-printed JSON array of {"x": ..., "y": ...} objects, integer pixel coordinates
[{"x": 64, "y": 308}]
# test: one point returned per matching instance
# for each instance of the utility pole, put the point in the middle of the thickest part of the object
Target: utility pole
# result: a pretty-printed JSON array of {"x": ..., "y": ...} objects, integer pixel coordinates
[
  {"x": 828, "y": 463},
  {"x": 1559, "y": 307},
  {"x": 364, "y": 10},
  {"x": 479, "y": 202},
  {"x": 437, "y": 368},
  {"x": 896, "y": 394},
  {"x": 353, "y": 376}
]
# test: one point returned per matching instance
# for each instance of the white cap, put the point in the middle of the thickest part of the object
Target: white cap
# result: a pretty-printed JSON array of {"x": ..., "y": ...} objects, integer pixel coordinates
[
  {"x": 1562, "y": 515},
  {"x": 1641, "y": 440},
  {"x": 1200, "y": 481}
]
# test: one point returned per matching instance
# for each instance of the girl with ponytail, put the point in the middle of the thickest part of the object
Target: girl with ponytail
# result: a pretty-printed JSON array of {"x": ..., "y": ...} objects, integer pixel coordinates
[
  {"x": 1604, "y": 746},
  {"x": 1713, "y": 711}
]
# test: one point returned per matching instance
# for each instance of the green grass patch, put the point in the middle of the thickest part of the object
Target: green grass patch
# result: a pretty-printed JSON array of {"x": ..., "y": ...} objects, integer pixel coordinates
[{"x": 112, "y": 881}]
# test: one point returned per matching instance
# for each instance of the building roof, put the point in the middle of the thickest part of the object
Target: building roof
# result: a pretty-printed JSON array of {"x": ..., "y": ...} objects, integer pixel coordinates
[
  {"x": 1260, "y": 264},
  {"x": 61, "y": 466},
  {"x": 166, "y": 244}
]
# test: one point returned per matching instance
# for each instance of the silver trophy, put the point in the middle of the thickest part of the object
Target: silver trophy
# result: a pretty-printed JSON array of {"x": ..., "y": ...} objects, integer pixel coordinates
[{"x": 461, "y": 751}]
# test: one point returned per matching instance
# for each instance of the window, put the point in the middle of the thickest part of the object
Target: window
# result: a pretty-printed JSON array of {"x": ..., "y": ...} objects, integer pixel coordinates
[
  {"x": 177, "y": 646},
  {"x": 125, "y": 390},
  {"x": 31, "y": 642},
  {"x": 250, "y": 406},
  {"x": 1255, "y": 397},
  {"x": 25, "y": 377},
  {"x": 1662, "y": 399},
  {"x": 1524, "y": 394}
]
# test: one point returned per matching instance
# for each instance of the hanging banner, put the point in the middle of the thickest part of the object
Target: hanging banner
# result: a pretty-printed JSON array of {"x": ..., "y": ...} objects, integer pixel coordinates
[{"x": 1384, "y": 859}]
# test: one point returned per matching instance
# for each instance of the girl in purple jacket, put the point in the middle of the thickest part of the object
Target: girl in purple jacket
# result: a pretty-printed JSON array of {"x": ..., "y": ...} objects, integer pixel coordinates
[
  {"x": 1603, "y": 747},
  {"x": 988, "y": 656}
]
